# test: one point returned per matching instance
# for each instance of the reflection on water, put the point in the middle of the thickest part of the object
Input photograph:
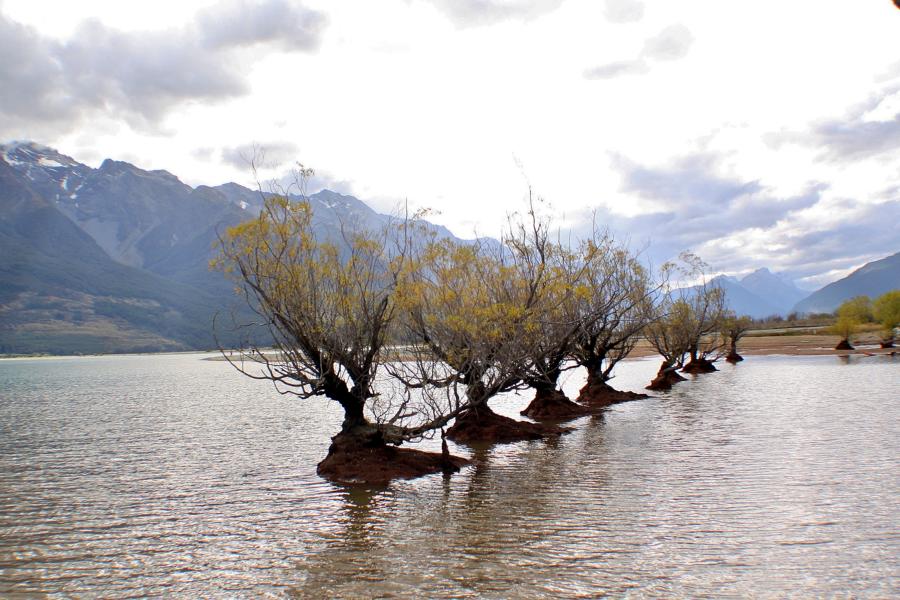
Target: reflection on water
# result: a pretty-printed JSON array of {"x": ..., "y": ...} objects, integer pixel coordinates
[{"x": 168, "y": 475}]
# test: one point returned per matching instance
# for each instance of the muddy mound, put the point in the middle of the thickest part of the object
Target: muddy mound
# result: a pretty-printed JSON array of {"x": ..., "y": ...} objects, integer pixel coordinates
[
  {"x": 665, "y": 379},
  {"x": 483, "y": 425},
  {"x": 734, "y": 357},
  {"x": 354, "y": 461},
  {"x": 699, "y": 365},
  {"x": 602, "y": 394},
  {"x": 553, "y": 405}
]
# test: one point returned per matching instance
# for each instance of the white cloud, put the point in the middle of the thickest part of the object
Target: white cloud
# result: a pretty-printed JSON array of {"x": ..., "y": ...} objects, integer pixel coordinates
[
  {"x": 467, "y": 86},
  {"x": 671, "y": 43},
  {"x": 868, "y": 130},
  {"x": 47, "y": 84},
  {"x": 466, "y": 13},
  {"x": 638, "y": 66},
  {"x": 288, "y": 26},
  {"x": 265, "y": 156},
  {"x": 623, "y": 11}
]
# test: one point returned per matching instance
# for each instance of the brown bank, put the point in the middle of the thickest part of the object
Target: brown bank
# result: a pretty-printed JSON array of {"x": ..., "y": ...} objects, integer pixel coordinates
[
  {"x": 481, "y": 425},
  {"x": 553, "y": 405},
  {"x": 368, "y": 459}
]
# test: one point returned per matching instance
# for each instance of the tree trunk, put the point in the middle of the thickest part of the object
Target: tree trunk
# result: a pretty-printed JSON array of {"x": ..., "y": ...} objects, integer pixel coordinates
[
  {"x": 692, "y": 353},
  {"x": 844, "y": 344},
  {"x": 595, "y": 377},
  {"x": 354, "y": 418},
  {"x": 698, "y": 364},
  {"x": 352, "y": 401},
  {"x": 733, "y": 355}
]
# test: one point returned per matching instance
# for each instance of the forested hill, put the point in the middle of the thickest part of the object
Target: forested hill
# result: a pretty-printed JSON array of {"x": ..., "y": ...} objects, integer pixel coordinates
[{"x": 115, "y": 259}]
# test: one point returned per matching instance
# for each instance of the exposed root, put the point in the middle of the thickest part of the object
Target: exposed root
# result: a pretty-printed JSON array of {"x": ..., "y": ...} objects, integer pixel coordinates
[
  {"x": 482, "y": 425},
  {"x": 364, "y": 460},
  {"x": 665, "y": 379},
  {"x": 600, "y": 394},
  {"x": 699, "y": 365},
  {"x": 734, "y": 357},
  {"x": 553, "y": 405}
]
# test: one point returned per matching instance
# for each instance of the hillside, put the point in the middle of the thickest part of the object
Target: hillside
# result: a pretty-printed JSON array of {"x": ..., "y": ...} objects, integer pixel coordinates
[
  {"x": 62, "y": 293},
  {"x": 115, "y": 259},
  {"x": 872, "y": 279}
]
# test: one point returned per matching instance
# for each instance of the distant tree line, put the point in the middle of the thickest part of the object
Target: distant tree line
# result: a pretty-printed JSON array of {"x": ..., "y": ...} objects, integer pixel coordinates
[{"x": 858, "y": 311}]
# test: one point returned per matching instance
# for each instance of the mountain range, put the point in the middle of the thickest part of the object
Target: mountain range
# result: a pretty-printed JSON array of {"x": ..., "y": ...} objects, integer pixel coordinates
[
  {"x": 760, "y": 294},
  {"x": 872, "y": 279},
  {"x": 763, "y": 294},
  {"x": 115, "y": 258}
]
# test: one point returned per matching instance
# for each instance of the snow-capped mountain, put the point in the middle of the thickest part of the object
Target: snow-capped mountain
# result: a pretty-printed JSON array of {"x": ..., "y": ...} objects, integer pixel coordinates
[
  {"x": 131, "y": 253},
  {"x": 778, "y": 292},
  {"x": 759, "y": 295}
]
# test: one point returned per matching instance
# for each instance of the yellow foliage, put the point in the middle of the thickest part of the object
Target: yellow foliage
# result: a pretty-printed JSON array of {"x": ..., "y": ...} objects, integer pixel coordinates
[{"x": 303, "y": 284}]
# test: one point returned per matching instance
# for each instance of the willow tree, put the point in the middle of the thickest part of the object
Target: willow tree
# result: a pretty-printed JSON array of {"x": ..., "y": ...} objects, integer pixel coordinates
[
  {"x": 850, "y": 315},
  {"x": 669, "y": 332},
  {"x": 687, "y": 323},
  {"x": 473, "y": 311},
  {"x": 734, "y": 328},
  {"x": 330, "y": 309},
  {"x": 558, "y": 277},
  {"x": 707, "y": 311},
  {"x": 886, "y": 310},
  {"x": 613, "y": 312}
]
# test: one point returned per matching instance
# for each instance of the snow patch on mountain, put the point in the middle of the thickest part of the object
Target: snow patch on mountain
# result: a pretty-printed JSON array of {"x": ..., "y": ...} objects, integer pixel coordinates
[{"x": 49, "y": 162}]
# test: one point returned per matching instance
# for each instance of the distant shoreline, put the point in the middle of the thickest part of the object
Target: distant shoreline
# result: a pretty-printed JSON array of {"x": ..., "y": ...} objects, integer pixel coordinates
[
  {"x": 754, "y": 344},
  {"x": 102, "y": 354}
]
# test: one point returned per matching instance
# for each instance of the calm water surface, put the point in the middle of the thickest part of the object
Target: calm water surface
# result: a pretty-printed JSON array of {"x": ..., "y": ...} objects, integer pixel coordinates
[{"x": 173, "y": 476}]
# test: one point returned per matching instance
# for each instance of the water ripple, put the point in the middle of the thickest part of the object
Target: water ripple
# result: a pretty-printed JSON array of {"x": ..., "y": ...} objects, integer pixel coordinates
[{"x": 172, "y": 476}]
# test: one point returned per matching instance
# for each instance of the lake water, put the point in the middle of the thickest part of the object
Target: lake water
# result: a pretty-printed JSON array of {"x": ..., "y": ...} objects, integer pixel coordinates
[{"x": 173, "y": 476}]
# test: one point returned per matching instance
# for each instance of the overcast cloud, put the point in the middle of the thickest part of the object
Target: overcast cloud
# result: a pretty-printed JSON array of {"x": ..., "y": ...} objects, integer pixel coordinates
[
  {"x": 623, "y": 11},
  {"x": 473, "y": 13},
  {"x": 672, "y": 43},
  {"x": 859, "y": 135},
  {"x": 285, "y": 25},
  {"x": 140, "y": 76},
  {"x": 617, "y": 69},
  {"x": 751, "y": 154},
  {"x": 812, "y": 249},
  {"x": 737, "y": 225},
  {"x": 693, "y": 205},
  {"x": 268, "y": 156}
]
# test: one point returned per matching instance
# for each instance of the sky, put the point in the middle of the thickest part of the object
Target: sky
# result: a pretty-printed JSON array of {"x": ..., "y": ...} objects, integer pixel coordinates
[{"x": 755, "y": 134}]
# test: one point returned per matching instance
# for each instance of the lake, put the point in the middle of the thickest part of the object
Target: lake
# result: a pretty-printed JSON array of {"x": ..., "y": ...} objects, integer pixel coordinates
[{"x": 169, "y": 475}]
